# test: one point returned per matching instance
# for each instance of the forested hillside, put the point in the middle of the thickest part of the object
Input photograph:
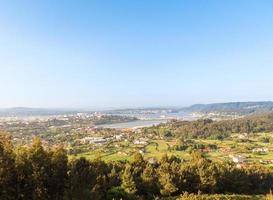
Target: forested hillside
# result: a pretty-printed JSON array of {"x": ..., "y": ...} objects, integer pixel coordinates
[
  {"x": 207, "y": 128},
  {"x": 233, "y": 107},
  {"x": 34, "y": 172}
]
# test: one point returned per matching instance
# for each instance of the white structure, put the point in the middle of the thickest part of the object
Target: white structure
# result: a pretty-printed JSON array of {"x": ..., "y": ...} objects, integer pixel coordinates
[
  {"x": 140, "y": 142},
  {"x": 98, "y": 141},
  {"x": 118, "y": 137},
  {"x": 152, "y": 160},
  {"x": 93, "y": 140},
  {"x": 260, "y": 150},
  {"x": 238, "y": 159},
  {"x": 243, "y": 136}
]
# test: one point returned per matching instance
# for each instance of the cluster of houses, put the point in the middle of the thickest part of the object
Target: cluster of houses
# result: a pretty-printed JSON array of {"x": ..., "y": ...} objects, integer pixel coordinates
[
  {"x": 266, "y": 162},
  {"x": 93, "y": 140},
  {"x": 240, "y": 161},
  {"x": 140, "y": 141},
  {"x": 260, "y": 150},
  {"x": 237, "y": 158},
  {"x": 100, "y": 140}
]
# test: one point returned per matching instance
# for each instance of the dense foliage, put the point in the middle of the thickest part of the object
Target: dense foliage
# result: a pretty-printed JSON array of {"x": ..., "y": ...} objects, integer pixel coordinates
[
  {"x": 187, "y": 196},
  {"x": 46, "y": 174},
  {"x": 232, "y": 107},
  {"x": 207, "y": 128}
]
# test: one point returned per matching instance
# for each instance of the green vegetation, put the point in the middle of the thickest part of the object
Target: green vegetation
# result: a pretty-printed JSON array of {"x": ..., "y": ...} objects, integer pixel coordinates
[
  {"x": 187, "y": 196},
  {"x": 33, "y": 172},
  {"x": 216, "y": 150},
  {"x": 232, "y": 108},
  {"x": 209, "y": 129},
  {"x": 202, "y": 159}
]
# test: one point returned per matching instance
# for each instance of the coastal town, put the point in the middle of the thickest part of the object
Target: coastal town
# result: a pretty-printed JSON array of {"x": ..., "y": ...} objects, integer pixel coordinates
[{"x": 81, "y": 134}]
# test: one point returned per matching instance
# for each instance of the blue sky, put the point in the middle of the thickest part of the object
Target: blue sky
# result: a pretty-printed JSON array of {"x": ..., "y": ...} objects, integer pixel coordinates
[{"x": 120, "y": 53}]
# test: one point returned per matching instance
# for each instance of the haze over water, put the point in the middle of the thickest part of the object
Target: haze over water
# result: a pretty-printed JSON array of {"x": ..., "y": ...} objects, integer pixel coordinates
[{"x": 146, "y": 120}]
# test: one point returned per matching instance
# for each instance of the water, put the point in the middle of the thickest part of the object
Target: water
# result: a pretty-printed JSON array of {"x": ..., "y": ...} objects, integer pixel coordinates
[
  {"x": 134, "y": 124},
  {"x": 148, "y": 120}
]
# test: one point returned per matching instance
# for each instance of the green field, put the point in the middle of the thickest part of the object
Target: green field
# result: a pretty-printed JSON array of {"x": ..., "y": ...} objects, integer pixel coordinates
[{"x": 158, "y": 147}]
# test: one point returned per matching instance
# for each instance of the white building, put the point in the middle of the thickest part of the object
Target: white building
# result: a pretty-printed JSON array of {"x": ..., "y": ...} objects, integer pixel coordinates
[
  {"x": 94, "y": 140},
  {"x": 260, "y": 150},
  {"x": 118, "y": 137},
  {"x": 140, "y": 142},
  {"x": 238, "y": 159},
  {"x": 243, "y": 136}
]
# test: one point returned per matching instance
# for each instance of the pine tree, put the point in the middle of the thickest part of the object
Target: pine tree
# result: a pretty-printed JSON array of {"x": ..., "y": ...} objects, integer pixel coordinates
[
  {"x": 149, "y": 180},
  {"x": 167, "y": 185},
  {"x": 128, "y": 183},
  {"x": 7, "y": 169},
  {"x": 81, "y": 180},
  {"x": 58, "y": 176},
  {"x": 33, "y": 169},
  {"x": 166, "y": 178}
]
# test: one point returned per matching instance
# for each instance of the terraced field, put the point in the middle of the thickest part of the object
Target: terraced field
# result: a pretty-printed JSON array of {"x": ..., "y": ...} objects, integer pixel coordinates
[{"x": 157, "y": 148}]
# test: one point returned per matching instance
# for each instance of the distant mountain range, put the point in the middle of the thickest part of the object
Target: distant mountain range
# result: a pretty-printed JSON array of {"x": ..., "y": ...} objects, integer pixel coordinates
[
  {"x": 232, "y": 107},
  {"x": 24, "y": 112},
  {"x": 241, "y": 108}
]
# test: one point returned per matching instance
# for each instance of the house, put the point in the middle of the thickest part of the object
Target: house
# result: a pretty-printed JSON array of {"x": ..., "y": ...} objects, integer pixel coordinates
[
  {"x": 137, "y": 130},
  {"x": 152, "y": 160},
  {"x": 86, "y": 139},
  {"x": 141, "y": 151},
  {"x": 93, "y": 140},
  {"x": 260, "y": 150},
  {"x": 265, "y": 162},
  {"x": 118, "y": 137},
  {"x": 237, "y": 159},
  {"x": 98, "y": 141},
  {"x": 243, "y": 136},
  {"x": 141, "y": 141}
]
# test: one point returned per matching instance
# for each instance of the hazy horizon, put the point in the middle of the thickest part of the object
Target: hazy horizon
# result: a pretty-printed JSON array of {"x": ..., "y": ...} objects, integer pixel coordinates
[
  {"x": 125, "y": 107},
  {"x": 126, "y": 54}
]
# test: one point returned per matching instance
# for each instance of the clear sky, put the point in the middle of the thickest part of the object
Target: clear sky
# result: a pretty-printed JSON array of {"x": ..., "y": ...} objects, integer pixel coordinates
[{"x": 120, "y": 53}]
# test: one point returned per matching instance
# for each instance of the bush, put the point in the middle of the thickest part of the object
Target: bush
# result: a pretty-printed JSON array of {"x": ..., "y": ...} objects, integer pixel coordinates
[
  {"x": 187, "y": 196},
  {"x": 116, "y": 193},
  {"x": 269, "y": 196}
]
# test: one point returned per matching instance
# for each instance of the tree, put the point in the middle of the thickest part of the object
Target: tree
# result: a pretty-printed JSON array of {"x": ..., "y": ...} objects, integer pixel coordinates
[
  {"x": 149, "y": 181},
  {"x": 58, "y": 176},
  {"x": 33, "y": 169},
  {"x": 102, "y": 184},
  {"x": 81, "y": 180},
  {"x": 166, "y": 178},
  {"x": 7, "y": 169},
  {"x": 167, "y": 185},
  {"x": 41, "y": 174},
  {"x": 128, "y": 183}
]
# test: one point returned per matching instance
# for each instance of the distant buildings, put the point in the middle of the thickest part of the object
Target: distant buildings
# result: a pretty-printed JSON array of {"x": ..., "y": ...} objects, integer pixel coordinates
[
  {"x": 93, "y": 140},
  {"x": 266, "y": 162},
  {"x": 118, "y": 137},
  {"x": 100, "y": 140},
  {"x": 140, "y": 141},
  {"x": 260, "y": 150},
  {"x": 243, "y": 136},
  {"x": 237, "y": 158}
]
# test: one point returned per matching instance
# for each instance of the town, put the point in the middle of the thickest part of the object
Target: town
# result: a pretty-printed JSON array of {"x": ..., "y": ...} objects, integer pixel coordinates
[{"x": 81, "y": 136}]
